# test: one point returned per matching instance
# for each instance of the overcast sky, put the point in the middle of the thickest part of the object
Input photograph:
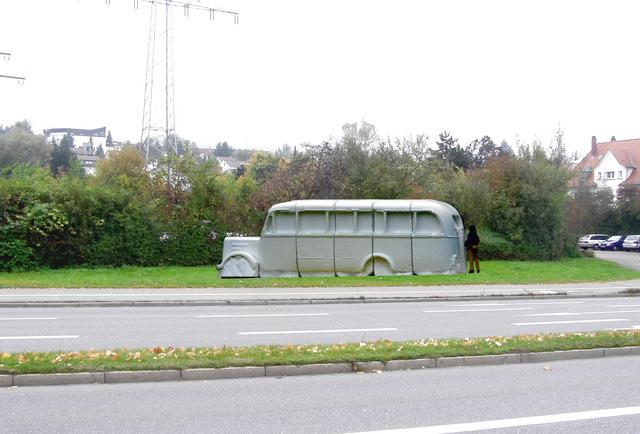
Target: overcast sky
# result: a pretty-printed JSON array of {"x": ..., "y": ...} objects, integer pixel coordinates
[{"x": 296, "y": 71}]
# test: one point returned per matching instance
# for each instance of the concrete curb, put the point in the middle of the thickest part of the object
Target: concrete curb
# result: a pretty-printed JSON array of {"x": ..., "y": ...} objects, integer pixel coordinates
[
  {"x": 139, "y": 376},
  {"x": 299, "y": 301},
  {"x": 312, "y": 369}
]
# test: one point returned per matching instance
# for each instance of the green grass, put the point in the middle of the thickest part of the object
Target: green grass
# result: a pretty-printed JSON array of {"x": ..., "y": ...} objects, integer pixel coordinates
[
  {"x": 493, "y": 272},
  {"x": 271, "y": 355}
]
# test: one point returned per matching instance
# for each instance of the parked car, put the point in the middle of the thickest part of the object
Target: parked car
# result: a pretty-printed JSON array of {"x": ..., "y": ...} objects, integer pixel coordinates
[
  {"x": 592, "y": 241},
  {"x": 613, "y": 243},
  {"x": 632, "y": 242}
]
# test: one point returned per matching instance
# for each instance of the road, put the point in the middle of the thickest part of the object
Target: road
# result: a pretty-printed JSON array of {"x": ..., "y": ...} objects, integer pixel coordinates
[
  {"x": 346, "y": 402},
  {"x": 102, "y": 328},
  {"x": 626, "y": 259}
]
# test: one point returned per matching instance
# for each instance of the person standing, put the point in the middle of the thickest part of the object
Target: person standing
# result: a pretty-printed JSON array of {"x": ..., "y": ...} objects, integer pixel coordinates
[{"x": 471, "y": 244}]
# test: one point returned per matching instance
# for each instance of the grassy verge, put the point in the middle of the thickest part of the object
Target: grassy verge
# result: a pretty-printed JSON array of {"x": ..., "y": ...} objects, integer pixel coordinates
[
  {"x": 493, "y": 272},
  {"x": 271, "y": 355}
]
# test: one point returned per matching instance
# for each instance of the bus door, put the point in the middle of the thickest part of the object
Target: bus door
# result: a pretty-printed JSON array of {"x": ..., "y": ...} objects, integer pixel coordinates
[
  {"x": 392, "y": 243},
  {"x": 431, "y": 248},
  {"x": 278, "y": 245},
  {"x": 353, "y": 243},
  {"x": 314, "y": 243}
]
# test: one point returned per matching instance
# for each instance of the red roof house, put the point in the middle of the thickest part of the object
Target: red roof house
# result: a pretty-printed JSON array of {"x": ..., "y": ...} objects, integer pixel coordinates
[{"x": 609, "y": 164}]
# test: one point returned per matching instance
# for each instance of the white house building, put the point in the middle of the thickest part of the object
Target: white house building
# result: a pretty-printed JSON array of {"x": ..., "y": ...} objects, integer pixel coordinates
[
  {"x": 228, "y": 164},
  {"x": 81, "y": 138},
  {"x": 609, "y": 164},
  {"x": 85, "y": 144}
]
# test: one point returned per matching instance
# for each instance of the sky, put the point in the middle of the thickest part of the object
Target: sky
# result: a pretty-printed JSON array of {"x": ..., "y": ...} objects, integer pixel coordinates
[{"x": 294, "y": 72}]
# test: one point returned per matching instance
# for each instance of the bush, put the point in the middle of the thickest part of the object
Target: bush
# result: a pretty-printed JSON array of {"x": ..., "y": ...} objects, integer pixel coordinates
[
  {"x": 495, "y": 246},
  {"x": 188, "y": 245},
  {"x": 128, "y": 239},
  {"x": 16, "y": 255}
]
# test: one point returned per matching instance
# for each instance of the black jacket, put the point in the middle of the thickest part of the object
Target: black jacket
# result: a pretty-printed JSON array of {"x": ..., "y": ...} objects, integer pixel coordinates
[{"x": 472, "y": 240}]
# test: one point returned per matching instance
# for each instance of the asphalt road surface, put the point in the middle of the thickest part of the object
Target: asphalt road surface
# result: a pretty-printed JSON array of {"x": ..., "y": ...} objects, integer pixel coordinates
[
  {"x": 579, "y": 396},
  {"x": 626, "y": 259},
  {"x": 76, "y": 328}
]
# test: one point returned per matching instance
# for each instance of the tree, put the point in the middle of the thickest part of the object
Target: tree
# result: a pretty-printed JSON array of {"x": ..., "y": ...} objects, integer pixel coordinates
[
  {"x": 450, "y": 151},
  {"x": 62, "y": 156},
  {"x": 483, "y": 150},
  {"x": 125, "y": 170},
  {"x": 527, "y": 202},
  {"x": 100, "y": 151},
  {"x": 285, "y": 151},
  {"x": 223, "y": 150},
  {"x": 261, "y": 166},
  {"x": 109, "y": 141},
  {"x": 558, "y": 151},
  {"x": 18, "y": 145}
]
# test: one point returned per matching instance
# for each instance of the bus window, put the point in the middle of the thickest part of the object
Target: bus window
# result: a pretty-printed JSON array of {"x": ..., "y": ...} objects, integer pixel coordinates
[
  {"x": 312, "y": 222},
  {"x": 285, "y": 223},
  {"x": 344, "y": 222},
  {"x": 427, "y": 223},
  {"x": 364, "y": 222},
  {"x": 398, "y": 223},
  {"x": 268, "y": 225}
]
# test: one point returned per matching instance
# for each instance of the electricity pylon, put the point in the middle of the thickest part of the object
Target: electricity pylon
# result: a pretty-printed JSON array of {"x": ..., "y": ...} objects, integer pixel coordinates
[{"x": 158, "y": 132}]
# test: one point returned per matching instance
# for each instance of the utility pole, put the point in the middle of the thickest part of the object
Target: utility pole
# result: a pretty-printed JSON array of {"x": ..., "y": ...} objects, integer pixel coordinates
[
  {"x": 6, "y": 57},
  {"x": 158, "y": 134}
]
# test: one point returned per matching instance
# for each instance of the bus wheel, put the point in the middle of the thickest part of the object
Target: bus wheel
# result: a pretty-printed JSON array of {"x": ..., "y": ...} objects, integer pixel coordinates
[
  {"x": 368, "y": 268},
  {"x": 382, "y": 267}
]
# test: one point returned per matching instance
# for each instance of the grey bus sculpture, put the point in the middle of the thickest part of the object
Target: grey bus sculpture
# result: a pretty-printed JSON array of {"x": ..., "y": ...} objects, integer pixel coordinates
[{"x": 350, "y": 238}]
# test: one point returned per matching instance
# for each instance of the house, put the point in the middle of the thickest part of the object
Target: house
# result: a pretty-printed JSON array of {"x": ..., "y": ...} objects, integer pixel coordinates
[
  {"x": 205, "y": 154},
  {"x": 609, "y": 164},
  {"x": 85, "y": 144},
  {"x": 81, "y": 138},
  {"x": 228, "y": 164}
]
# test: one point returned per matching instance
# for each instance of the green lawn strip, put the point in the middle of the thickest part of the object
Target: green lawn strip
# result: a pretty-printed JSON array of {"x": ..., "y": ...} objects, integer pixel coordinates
[
  {"x": 271, "y": 355},
  {"x": 493, "y": 272}
]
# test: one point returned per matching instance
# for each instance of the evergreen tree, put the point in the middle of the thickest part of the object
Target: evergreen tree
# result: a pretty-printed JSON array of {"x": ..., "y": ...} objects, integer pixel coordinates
[
  {"x": 450, "y": 151},
  {"x": 223, "y": 150},
  {"x": 62, "y": 156},
  {"x": 109, "y": 139}
]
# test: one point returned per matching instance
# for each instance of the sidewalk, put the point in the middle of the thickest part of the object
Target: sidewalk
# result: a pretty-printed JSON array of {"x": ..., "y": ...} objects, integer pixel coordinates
[{"x": 25, "y": 297}]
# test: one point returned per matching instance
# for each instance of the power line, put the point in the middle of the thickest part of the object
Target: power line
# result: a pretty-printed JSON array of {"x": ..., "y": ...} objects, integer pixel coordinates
[
  {"x": 7, "y": 56},
  {"x": 158, "y": 134}
]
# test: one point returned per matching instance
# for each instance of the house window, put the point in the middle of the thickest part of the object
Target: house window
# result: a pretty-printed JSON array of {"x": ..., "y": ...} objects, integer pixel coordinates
[
  {"x": 619, "y": 174},
  {"x": 599, "y": 175},
  {"x": 609, "y": 175}
]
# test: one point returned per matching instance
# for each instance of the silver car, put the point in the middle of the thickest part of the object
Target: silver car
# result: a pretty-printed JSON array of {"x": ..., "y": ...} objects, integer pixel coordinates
[
  {"x": 592, "y": 241},
  {"x": 632, "y": 242}
]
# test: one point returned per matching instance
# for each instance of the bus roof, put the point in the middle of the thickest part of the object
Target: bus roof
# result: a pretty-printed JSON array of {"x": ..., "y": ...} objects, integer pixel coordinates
[{"x": 365, "y": 205}]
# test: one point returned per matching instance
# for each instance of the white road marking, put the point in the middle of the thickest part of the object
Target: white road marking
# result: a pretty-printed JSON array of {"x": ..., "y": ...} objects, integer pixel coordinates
[
  {"x": 580, "y": 313},
  {"x": 275, "y": 315},
  {"x": 16, "y": 338},
  {"x": 514, "y": 304},
  {"x": 624, "y": 305},
  {"x": 515, "y": 422},
  {"x": 25, "y": 319},
  {"x": 296, "y": 332},
  {"x": 634, "y": 327},
  {"x": 569, "y": 322},
  {"x": 477, "y": 310}
]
